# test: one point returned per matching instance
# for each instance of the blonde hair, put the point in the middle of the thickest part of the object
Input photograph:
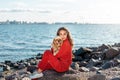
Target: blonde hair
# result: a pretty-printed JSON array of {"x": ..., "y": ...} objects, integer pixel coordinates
[{"x": 68, "y": 34}]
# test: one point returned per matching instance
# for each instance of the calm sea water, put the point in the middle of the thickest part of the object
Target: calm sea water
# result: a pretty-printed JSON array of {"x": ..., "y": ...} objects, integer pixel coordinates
[{"x": 24, "y": 41}]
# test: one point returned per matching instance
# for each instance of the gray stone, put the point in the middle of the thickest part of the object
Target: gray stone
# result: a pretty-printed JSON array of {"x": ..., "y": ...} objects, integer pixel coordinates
[
  {"x": 83, "y": 63},
  {"x": 94, "y": 62},
  {"x": 21, "y": 66},
  {"x": 31, "y": 68},
  {"x": 107, "y": 65},
  {"x": 103, "y": 47},
  {"x": 53, "y": 75},
  {"x": 77, "y": 58},
  {"x": 112, "y": 52},
  {"x": 98, "y": 77},
  {"x": 94, "y": 69},
  {"x": 116, "y": 78},
  {"x": 84, "y": 69},
  {"x": 75, "y": 65},
  {"x": 6, "y": 68},
  {"x": 82, "y": 51}
]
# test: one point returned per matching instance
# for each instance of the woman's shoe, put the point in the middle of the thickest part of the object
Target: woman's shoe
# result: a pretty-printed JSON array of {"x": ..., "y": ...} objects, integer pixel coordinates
[{"x": 36, "y": 75}]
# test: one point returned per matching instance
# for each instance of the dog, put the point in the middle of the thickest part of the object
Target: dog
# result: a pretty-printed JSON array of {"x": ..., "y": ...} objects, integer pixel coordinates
[{"x": 56, "y": 44}]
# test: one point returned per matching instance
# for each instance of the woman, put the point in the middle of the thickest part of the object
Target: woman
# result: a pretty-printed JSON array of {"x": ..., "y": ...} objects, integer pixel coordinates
[{"x": 63, "y": 59}]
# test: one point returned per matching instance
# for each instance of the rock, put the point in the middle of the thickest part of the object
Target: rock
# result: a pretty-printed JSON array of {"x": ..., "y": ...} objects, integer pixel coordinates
[
  {"x": 82, "y": 51},
  {"x": 38, "y": 57},
  {"x": 12, "y": 77},
  {"x": 71, "y": 71},
  {"x": 84, "y": 69},
  {"x": 33, "y": 62},
  {"x": 98, "y": 77},
  {"x": 87, "y": 56},
  {"x": 94, "y": 62},
  {"x": 31, "y": 68},
  {"x": 75, "y": 66},
  {"x": 96, "y": 55},
  {"x": 21, "y": 61},
  {"x": 118, "y": 56},
  {"x": 107, "y": 65},
  {"x": 7, "y": 62},
  {"x": 24, "y": 73},
  {"x": 83, "y": 63},
  {"x": 94, "y": 49},
  {"x": 116, "y": 45},
  {"x": 53, "y": 75},
  {"x": 94, "y": 69},
  {"x": 116, "y": 78},
  {"x": 25, "y": 78},
  {"x": 6, "y": 68},
  {"x": 112, "y": 52},
  {"x": 103, "y": 47},
  {"x": 27, "y": 63},
  {"x": 116, "y": 62},
  {"x": 39, "y": 54},
  {"x": 77, "y": 58},
  {"x": 21, "y": 66},
  {"x": 2, "y": 77},
  {"x": 15, "y": 66},
  {"x": 115, "y": 69}
]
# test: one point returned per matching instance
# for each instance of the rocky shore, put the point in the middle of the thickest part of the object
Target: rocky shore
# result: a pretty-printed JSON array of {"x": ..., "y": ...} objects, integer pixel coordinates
[{"x": 89, "y": 63}]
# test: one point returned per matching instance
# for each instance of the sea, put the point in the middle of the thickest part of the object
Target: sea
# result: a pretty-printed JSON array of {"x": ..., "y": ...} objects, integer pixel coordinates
[{"x": 22, "y": 41}]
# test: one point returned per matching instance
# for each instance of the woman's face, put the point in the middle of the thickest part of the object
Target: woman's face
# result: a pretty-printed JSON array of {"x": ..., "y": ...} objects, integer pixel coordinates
[{"x": 63, "y": 34}]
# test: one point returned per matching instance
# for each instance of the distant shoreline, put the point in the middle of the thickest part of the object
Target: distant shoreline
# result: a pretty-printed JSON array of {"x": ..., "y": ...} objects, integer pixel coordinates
[{"x": 57, "y": 23}]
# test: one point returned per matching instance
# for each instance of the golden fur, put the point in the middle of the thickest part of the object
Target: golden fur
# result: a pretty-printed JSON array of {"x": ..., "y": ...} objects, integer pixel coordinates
[{"x": 57, "y": 42}]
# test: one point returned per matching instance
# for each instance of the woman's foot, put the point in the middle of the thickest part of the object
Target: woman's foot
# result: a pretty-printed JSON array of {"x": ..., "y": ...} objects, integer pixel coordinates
[{"x": 36, "y": 74}]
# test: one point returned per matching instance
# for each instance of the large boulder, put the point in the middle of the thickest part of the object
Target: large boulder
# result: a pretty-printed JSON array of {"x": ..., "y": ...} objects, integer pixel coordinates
[
  {"x": 107, "y": 65},
  {"x": 53, "y": 75},
  {"x": 111, "y": 53},
  {"x": 82, "y": 51},
  {"x": 103, "y": 47},
  {"x": 94, "y": 62}
]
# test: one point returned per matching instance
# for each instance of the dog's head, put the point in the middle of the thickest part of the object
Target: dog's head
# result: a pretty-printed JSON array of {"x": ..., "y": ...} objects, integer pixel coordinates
[{"x": 57, "y": 41}]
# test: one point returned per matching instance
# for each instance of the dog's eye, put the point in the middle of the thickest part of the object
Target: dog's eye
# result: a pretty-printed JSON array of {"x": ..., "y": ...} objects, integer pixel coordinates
[{"x": 59, "y": 40}]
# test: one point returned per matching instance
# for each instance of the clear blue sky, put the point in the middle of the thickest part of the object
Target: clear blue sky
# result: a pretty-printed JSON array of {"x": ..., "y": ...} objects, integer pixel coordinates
[{"x": 83, "y": 11}]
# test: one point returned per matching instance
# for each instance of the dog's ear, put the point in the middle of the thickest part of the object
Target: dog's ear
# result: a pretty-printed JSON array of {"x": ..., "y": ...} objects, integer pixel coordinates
[{"x": 53, "y": 43}]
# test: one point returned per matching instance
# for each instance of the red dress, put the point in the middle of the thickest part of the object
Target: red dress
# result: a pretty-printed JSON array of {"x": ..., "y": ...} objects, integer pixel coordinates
[{"x": 60, "y": 62}]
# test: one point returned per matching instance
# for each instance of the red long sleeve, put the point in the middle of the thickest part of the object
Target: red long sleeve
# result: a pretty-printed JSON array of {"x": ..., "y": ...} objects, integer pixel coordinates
[{"x": 63, "y": 59}]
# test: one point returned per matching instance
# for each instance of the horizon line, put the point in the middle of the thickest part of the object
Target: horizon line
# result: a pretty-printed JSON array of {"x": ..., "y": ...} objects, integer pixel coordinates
[{"x": 43, "y": 22}]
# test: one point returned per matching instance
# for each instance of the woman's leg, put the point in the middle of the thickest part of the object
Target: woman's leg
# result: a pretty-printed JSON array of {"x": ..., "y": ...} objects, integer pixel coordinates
[{"x": 44, "y": 64}]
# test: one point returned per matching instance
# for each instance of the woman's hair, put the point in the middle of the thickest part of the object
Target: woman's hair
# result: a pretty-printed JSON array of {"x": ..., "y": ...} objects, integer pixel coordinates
[{"x": 68, "y": 35}]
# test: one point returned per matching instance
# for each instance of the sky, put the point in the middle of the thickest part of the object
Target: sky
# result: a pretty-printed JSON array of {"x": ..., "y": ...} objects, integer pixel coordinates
[{"x": 51, "y": 11}]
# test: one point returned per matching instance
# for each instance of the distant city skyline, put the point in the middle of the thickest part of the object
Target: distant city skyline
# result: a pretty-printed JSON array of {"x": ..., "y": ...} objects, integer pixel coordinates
[{"x": 51, "y": 11}]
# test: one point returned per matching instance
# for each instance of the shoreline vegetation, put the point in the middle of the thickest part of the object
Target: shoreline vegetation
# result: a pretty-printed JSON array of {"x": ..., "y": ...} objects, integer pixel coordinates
[
  {"x": 7, "y": 22},
  {"x": 89, "y": 63}
]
